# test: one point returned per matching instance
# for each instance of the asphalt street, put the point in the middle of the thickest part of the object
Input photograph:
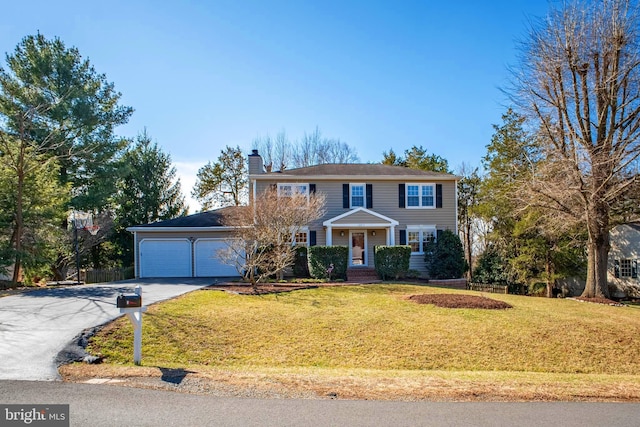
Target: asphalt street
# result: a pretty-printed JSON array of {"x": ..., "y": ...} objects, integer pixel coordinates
[
  {"x": 110, "y": 405},
  {"x": 35, "y": 326}
]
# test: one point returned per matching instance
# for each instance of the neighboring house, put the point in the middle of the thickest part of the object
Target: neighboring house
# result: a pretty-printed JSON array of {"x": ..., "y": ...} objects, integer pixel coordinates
[
  {"x": 366, "y": 205},
  {"x": 622, "y": 271}
]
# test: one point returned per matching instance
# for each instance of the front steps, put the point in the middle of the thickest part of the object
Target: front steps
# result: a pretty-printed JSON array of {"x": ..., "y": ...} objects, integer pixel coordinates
[{"x": 362, "y": 275}]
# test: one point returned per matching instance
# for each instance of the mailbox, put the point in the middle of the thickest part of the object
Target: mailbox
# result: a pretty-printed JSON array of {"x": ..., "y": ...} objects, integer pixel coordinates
[{"x": 129, "y": 301}]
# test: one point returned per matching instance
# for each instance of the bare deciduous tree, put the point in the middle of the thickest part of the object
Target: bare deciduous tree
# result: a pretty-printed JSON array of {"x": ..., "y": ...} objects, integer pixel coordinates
[
  {"x": 580, "y": 79},
  {"x": 264, "y": 236},
  {"x": 313, "y": 148}
]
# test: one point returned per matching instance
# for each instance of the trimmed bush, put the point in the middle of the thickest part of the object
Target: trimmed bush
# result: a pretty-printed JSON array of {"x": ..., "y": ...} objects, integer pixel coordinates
[
  {"x": 300, "y": 265},
  {"x": 321, "y": 257},
  {"x": 392, "y": 262},
  {"x": 445, "y": 257}
]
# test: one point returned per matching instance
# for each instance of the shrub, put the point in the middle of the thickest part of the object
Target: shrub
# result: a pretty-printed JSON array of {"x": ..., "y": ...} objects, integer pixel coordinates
[
  {"x": 490, "y": 268},
  {"x": 445, "y": 257},
  {"x": 300, "y": 265},
  {"x": 321, "y": 257},
  {"x": 392, "y": 262}
]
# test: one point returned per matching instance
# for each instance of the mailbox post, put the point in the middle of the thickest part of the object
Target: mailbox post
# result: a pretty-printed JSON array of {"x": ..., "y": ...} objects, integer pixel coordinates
[{"x": 131, "y": 305}]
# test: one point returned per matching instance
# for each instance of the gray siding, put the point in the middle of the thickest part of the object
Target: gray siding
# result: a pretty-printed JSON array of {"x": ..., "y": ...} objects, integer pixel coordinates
[{"x": 385, "y": 202}]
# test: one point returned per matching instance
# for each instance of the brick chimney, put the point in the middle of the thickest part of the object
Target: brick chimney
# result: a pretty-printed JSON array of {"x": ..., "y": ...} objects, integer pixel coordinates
[{"x": 256, "y": 165}]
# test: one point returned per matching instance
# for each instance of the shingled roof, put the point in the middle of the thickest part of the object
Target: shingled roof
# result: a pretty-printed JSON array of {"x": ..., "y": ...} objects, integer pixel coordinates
[
  {"x": 202, "y": 219},
  {"x": 356, "y": 169}
]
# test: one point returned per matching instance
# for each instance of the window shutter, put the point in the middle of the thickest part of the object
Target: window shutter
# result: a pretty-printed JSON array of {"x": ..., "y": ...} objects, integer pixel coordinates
[
  {"x": 312, "y": 189},
  {"x": 345, "y": 196},
  {"x": 438, "y": 234},
  {"x": 401, "y": 195},
  {"x": 616, "y": 268},
  {"x": 369, "y": 196},
  {"x": 438, "y": 195},
  {"x": 312, "y": 238},
  {"x": 634, "y": 269},
  {"x": 403, "y": 235}
]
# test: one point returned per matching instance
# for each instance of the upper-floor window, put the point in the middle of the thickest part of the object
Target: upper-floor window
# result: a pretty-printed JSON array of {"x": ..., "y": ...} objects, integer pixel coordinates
[
  {"x": 357, "y": 195},
  {"x": 421, "y": 195},
  {"x": 289, "y": 189}
]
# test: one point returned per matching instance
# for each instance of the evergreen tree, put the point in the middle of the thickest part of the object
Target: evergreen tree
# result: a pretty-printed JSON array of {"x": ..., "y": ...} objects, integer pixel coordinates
[
  {"x": 56, "y": 110},
  {"x": 148, "y": 191},
  {"x": 417, "y": 158},
  {"x": 445, "y": 257}
]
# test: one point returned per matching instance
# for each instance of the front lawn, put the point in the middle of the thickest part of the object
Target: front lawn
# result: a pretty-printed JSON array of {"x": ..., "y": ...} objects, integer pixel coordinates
[{"x": 374, "y": 333}]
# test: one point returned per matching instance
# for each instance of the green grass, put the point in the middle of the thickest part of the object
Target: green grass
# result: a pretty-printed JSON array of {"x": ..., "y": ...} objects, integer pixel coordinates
[{"x": 374, "y": 327}]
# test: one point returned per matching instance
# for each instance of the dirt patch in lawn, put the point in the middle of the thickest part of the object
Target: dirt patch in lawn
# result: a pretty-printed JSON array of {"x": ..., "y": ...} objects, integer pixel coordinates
[
  {"x": 599, "y": 300},
  {"x": 406, "y": 386},
  {"x": 459, "y": 301}
]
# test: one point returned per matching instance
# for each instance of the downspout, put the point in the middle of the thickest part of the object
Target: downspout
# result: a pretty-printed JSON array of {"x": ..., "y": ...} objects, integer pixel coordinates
[{"x": 455, "y": 185}]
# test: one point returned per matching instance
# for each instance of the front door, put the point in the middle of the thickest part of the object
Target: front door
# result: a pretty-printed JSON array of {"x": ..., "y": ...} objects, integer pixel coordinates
[{"x": 358, "y": 256}]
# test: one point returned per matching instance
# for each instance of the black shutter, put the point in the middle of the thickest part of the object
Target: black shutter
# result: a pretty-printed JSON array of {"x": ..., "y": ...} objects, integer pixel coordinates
[
  {"x": 634, "y": 269},
  {"x": 616, "y": 268},
  {"x": 438, "y": 235},
  {"x": 369, "y": 196},
  {"x": 312, "y": 189},
  {"x": 401, "y": 195},
  {"x": 438, "y": 195},
  {"x": 312, "y": 238},
  {"x": 345, "y": 196},
  {"x": 403, "y": 235}
]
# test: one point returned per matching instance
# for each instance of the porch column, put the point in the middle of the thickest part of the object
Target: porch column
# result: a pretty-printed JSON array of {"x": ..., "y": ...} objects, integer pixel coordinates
[
  {"x": 392, "y": 235},
  {"x": 329, "y": 234}
]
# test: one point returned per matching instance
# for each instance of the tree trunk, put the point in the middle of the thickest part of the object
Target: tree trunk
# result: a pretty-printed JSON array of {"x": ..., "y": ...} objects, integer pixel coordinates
[
  {"x": 597, "y": 260},
  {"x": 549, "y": 271},
  {"x": 468, "y": 250},
  {"x": 19, "y": 221}
]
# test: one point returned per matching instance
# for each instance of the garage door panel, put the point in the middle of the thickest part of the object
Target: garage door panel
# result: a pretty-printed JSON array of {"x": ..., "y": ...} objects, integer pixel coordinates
[
  {"x": 207, "y": 263},
  {"x": 165, "y": 258}
]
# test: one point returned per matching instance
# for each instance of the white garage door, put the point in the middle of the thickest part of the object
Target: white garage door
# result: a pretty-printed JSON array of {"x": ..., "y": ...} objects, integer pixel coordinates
[
  {"x": 207, "y": 263},
  {"x": 165, "y": 258}
]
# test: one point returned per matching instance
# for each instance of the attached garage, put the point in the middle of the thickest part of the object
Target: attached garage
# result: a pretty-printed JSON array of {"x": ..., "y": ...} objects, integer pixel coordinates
[
  {"x": 183, "y": 247},
  {"x": 165, "y": 258}
]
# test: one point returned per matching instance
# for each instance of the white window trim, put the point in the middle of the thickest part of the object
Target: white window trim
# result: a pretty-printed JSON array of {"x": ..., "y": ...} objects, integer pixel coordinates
[
  {"x": 293, "y": 184},
  {"x": 419, "y": 185},
  {"x": 364, "y": 194},
  {"x": 304, "y": 230},
  {"x": 422, "y": 229}
]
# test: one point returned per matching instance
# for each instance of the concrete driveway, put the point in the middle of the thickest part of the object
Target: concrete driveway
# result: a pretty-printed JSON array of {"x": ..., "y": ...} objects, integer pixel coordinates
[{"x": 35, "y": 326}]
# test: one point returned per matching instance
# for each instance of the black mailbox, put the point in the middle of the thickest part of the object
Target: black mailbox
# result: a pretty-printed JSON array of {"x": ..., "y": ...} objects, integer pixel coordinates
[{"x": 129, "y": 301}]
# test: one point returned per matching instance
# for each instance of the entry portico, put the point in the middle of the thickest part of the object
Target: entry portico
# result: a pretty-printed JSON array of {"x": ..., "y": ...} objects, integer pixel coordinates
[{"x": 361, "y": 219}]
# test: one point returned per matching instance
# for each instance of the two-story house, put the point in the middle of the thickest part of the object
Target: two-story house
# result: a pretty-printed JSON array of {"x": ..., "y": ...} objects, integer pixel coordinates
[{"x": 366, "y": 205}]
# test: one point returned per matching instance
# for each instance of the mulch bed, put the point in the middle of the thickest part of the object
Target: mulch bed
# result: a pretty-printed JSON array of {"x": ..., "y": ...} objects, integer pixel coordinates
[
  {"x": 262, "y": 288},
  {"x": 459, "y": 301}
]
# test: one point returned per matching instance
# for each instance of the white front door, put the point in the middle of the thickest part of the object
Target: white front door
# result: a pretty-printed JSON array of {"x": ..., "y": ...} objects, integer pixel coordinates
[{"x": 358, "y": 252}]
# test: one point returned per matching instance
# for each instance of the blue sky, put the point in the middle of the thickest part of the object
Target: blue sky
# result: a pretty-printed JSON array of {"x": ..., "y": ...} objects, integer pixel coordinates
[{"x": 376, "y": 74}]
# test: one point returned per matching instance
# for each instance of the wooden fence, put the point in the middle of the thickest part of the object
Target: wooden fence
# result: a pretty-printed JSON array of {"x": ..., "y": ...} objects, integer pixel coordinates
[
  {"x": 484, "y": 287},
  {"x": 107, "y": 275}
]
